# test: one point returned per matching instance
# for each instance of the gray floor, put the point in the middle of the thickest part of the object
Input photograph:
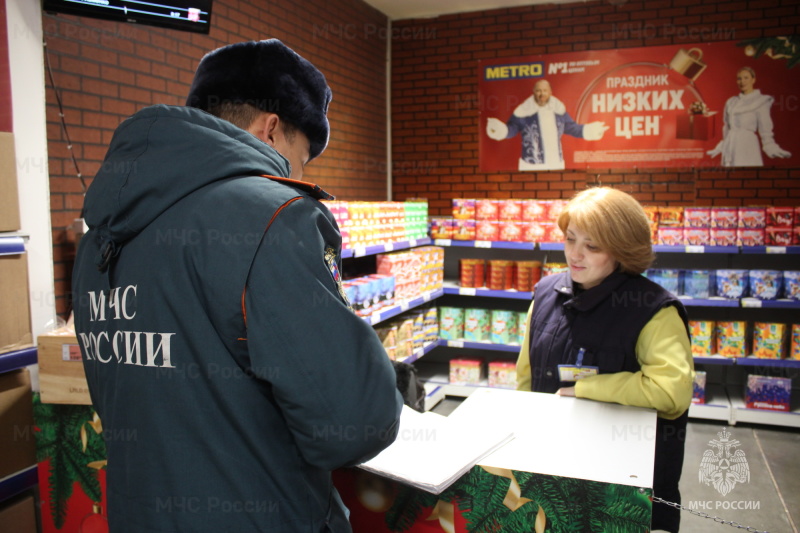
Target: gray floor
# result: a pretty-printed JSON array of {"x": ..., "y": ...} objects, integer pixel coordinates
[{"x": 768, "y": 502}]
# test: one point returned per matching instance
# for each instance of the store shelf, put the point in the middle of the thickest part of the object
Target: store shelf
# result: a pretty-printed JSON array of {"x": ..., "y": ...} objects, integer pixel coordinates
[
  {"x": 486, "y": 244},
  {"x": 747, "y": 361},
  {"x": 740, "y": 413},
  {"x": 761, "y": 362},
  {"x": 19, "y": 482},
  {"x": 770, "y": 304},
  {"x": 689, "y": 249},
  {"x": 12, "y": 245},
  {"x": 391, "y": 312},
  {"x": 18, "y": 359},
  {"x": 513, "y": 348},
  {"x": 434, "y": 394},
  {"x": 427, "y": 348},
  {"x": 453, "y": 288},
  {"x": 752, "y": 303},
  {"x": 448, "y": 389},
  {"x": 551, "y": 246},
  {"x": 771, "y": 250},
  {"x": 658, "y": 248},
  {"x": 708, "y": 302},
  {"x": 714, "y": 360},
  {"x": 361, "y": 251},
  {"x": 717, "y": 406}
]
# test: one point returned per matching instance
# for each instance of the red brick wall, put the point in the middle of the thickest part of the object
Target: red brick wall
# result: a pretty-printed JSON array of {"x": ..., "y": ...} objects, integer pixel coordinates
[
  {"x": 435, "y": 107},
  {"x": 105, "y": 71}
]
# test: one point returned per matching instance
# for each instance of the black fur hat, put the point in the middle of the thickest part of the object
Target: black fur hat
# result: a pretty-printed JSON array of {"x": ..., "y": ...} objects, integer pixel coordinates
[{"x": 270, "y": 76}]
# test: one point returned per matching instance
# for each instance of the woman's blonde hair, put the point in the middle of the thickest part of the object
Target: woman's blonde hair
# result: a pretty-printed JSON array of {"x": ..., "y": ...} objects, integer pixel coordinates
[{"x": 616, "y": 223}]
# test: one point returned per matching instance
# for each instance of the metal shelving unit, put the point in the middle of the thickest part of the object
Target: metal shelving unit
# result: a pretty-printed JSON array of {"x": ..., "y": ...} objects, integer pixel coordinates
[
  {"x": 721, "y": 403},
  {"x": 14, "y": 244}
]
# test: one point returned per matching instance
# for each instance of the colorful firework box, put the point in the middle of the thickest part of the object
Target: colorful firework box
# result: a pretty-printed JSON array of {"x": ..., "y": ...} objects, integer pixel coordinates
[
  {"x": 699, "y": 388},
  {"x": 769, "y": 340},
  {"x": 702, "y": 337},
  {"x": 476, "y": 325},
  {"x": 451, "y": 323},
  {"x": 768, "y": 392},
  {"x": 504, "y": 327},
  {"x": 731, "y": 338},
  {"x": 503, "y": 375},
  {"x": 466, "y": 371}
]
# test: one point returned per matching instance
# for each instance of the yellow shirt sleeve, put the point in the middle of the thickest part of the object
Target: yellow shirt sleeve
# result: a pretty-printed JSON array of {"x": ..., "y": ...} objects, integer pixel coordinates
[
  {"x": 665, "y": 380},
  {"x": 524, "y": 360}
]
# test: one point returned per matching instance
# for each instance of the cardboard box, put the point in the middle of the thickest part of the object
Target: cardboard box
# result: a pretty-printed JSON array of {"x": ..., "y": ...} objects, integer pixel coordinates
[
  {"x": 16, "y": 423},
  {"x": 9, "y": 196},
  {"x": 15, "y": 313},
  {"x": 61, "y": 376},
  {"x": 768, "y": 392},
  {"x": 699, "y": 388},
  {"x": 19, "y": 515},
  {"x": 466, "y": 371}
]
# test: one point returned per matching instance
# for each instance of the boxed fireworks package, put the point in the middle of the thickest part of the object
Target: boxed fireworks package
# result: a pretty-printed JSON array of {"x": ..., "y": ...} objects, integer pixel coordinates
[
  {"x": 768, "y": 392},
  {"x": 699, "y": 388},
  {"x": 731, "y": 338},
  {"x": 466, "y": 371},
  {"x": 794, "y": 345},
  {"x": 769, "y": 340},
  {"x": 503, "y": 374},
  {"x": 702, "y": 338},
  {"x": 476, "y": 325},
  {"x": 451, "y": 323},
  {"x": 503, "y": 327}
]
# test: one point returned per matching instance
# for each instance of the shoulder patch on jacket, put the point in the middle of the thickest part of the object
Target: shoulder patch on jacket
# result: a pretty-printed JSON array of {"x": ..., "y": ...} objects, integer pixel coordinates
[{"x": 333, "y": 268}]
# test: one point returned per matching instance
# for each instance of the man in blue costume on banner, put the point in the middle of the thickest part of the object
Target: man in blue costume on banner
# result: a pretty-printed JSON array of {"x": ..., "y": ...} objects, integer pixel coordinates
[{"x": 541, "y": 120}]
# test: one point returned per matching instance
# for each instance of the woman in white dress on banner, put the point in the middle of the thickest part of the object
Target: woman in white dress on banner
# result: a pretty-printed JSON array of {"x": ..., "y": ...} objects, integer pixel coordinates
[{"x": 745, "y": 115}]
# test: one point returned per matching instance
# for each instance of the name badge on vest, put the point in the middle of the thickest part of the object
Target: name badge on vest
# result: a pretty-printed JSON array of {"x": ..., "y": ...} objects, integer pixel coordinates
[{"x": 578, "y": 370}]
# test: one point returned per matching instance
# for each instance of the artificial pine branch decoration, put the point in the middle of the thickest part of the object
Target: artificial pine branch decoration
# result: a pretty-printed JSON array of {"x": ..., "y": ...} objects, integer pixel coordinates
[
  {"x": 59, "y": 439},
  {"x": 783, "y": 47},
  {"x": 482, "y": 500},
  {"x": 407, "y": 508},
  {"x": 568, "y": 504}
]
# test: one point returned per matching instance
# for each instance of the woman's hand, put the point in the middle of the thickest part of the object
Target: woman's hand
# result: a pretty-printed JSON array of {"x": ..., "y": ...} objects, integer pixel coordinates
[{"x": 566, "y": 391}]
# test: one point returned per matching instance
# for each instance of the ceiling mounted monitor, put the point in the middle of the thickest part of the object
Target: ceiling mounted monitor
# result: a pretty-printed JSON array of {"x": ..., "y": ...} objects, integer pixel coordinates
[{"x": 184, "y": 15}]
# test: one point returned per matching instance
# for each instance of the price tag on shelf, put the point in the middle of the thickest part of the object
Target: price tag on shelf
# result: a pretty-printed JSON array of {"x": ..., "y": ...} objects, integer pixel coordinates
[
  {"x": 776, "y": 249},
  {"x": 404, "y": 306},
  {"x": 388, "y": 247},
  {"x": 426, "y": 296},
  {"x": 467, "y": 291},
  {"x": 455, "y": 344},
  {"x": 443, "y": 242},
  {"x": 751, "y": 302},
  {"x": 412, "y": 243},
  {"x": 483, "y": 244},
  {"x": 359, "y": 251},
  {"x": 695, "y": 249}
]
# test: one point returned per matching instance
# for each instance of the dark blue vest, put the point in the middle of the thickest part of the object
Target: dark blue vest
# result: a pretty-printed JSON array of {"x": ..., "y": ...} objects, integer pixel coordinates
[{"x": 605, "y": 321}]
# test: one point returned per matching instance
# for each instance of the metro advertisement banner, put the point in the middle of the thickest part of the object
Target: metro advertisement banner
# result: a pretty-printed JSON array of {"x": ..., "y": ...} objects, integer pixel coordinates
[{"x": 722, "y": 104}]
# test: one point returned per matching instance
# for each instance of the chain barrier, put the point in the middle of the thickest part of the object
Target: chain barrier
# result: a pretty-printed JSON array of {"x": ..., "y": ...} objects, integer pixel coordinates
[{"x": 706, "y": 515}]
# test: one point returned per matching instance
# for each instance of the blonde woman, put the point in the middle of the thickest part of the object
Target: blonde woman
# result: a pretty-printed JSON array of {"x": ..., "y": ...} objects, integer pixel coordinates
[
  {"x": 746, "y": 114},
  {"x": 604, "y": 332}
]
